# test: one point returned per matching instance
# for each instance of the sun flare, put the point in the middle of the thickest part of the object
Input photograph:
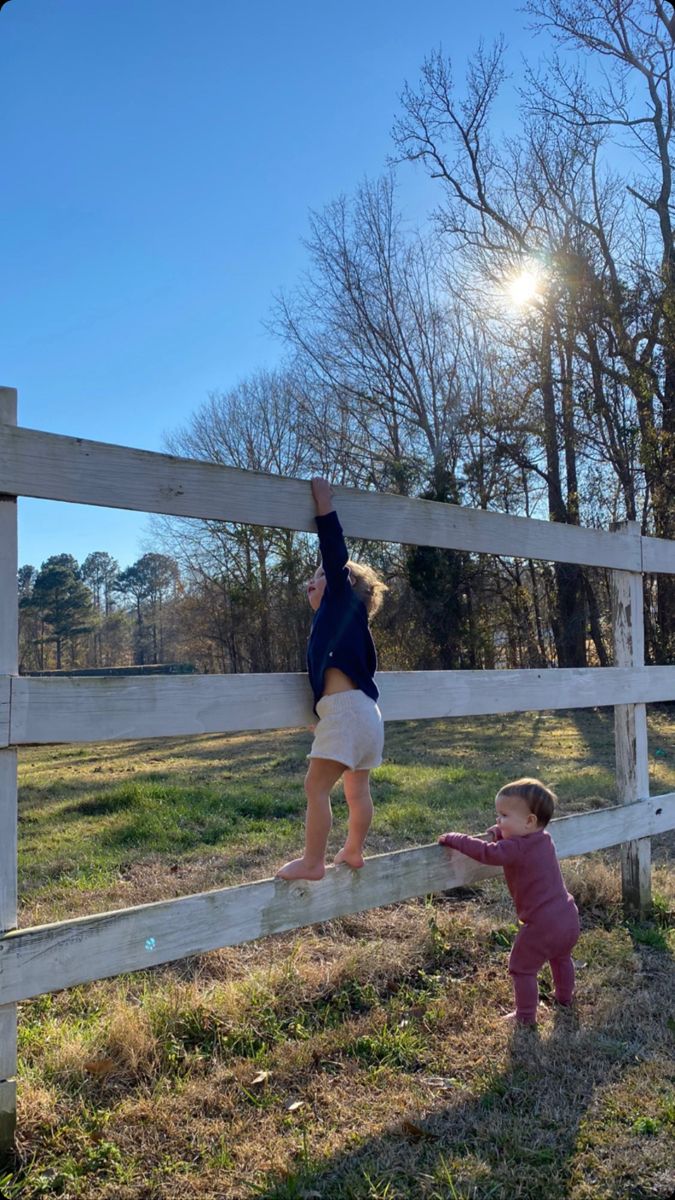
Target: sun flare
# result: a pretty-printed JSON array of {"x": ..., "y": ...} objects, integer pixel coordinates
[{"x": 523, "y": 288}]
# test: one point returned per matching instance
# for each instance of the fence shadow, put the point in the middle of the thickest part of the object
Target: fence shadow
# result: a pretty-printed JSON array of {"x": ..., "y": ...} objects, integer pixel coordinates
[{"x": 517, "y": 1138}]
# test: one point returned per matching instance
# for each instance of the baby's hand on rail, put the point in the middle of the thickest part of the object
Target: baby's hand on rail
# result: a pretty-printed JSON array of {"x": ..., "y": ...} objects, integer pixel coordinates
[{"x": 445, "y": 839}]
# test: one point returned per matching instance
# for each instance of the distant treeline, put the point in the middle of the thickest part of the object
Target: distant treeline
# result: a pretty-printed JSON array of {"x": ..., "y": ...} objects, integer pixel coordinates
[{"x": 444, "y": 609}]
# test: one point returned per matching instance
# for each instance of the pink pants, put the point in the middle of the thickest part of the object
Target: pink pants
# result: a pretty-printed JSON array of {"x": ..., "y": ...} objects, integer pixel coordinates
[{"x": 549, "y": 940}]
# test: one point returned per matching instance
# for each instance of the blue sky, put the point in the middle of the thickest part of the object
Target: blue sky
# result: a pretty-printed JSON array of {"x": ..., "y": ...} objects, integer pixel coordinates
[{"x": 159, "y": 160}]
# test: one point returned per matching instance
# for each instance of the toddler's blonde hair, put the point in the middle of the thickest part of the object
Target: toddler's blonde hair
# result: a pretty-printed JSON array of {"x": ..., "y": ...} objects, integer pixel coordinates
[{"x": 368, "y": 586}]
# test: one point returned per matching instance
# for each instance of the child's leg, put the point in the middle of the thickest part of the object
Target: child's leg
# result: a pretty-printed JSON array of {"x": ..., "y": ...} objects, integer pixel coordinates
[
  {"x": 322, "y": 774},
  {"x": 562, "y": 970},
  {"x": 359, "y": 801},
  {"x": 560, "y": 955},
  {"x": 527, "y": 956},
  {"x": 526, "y": 993}
]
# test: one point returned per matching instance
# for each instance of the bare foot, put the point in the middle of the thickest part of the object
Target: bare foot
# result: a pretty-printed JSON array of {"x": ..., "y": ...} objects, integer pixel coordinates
[
  {"x": 350, "y": 858},
  {"x": 299, "y": 869}
]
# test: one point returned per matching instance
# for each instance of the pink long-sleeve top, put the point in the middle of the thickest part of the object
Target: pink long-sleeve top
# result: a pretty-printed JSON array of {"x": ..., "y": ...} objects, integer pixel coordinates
[{"x": 531, "y": 870}]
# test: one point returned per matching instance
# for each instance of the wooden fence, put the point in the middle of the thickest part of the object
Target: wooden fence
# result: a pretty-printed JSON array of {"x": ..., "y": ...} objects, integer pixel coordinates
[{"x": 82, "y": 709}]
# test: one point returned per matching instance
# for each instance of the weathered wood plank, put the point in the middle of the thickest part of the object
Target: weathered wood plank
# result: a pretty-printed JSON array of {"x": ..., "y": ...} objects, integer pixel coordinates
[
  {"x": 658, "y": 555},
  {"x": 7, "y": 1049},
  {"x": 9, "y": 651},
  {"x": 636, "y": 878},
  {"x": 51, "y": 466},
  {"x": 5, "y": 691},
  {"x": 50, "y": 957},
  {"x": 412, "y": 694},
  {"x": 8, "y": 838},
  {"x": 630, "y": 733},
  {"x": 7, "y": 1107},
  {"x": 82, "y": 709},
  {"x": 9, "y": 608}
]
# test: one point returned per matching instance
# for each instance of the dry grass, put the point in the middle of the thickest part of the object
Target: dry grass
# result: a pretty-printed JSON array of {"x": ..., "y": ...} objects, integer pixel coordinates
[
  {"x": 385, "y": 1028},
  {"x": 112, "y": 825},
  {"x": 365, "y": 1058}
]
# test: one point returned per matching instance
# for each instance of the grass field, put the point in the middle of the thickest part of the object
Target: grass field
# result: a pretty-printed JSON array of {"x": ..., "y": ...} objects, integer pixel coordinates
[{"x": 363, "y": 1058}]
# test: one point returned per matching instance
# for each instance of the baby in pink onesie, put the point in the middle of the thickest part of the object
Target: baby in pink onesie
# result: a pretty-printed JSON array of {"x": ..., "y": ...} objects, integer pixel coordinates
[{"x": 550, "y": 921}]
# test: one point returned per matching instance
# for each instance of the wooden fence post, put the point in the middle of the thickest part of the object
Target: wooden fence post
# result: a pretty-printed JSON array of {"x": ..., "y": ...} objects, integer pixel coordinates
[
  {"x": 9, "y": 655},
  {"x": 630, "y": 731}
]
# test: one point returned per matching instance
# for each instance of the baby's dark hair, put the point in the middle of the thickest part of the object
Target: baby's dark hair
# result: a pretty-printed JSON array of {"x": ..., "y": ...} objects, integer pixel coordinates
[{"x": 539, "y": 799}]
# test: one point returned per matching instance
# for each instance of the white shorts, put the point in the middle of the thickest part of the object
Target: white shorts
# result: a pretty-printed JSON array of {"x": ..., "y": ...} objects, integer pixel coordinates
[{"x": 350, "y": 731}]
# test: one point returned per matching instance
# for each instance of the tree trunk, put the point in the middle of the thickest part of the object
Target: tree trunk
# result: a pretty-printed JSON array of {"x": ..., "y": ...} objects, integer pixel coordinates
[
  {"x": 663, "y": 487},
  {"x": 594, "y": 619},
  {"x": 569, "y": 627}
]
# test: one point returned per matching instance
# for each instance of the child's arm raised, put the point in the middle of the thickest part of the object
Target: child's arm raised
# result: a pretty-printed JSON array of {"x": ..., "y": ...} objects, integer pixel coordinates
[
  {"x": 334, "y": 553},
  {"x": 322, "y": 493},
  {"x": 493, "y": 854}
]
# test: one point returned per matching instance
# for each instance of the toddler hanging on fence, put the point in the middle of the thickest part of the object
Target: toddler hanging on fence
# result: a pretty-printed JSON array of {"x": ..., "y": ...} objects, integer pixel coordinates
[
  {"x": 341, "y": 663},
  {"x": 549, "y": 918}
]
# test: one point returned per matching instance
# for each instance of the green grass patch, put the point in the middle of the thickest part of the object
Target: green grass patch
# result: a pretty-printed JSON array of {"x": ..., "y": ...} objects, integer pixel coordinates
[
  {"x": 88, "y": 815},
  {"x": 361, "y": 1059}
]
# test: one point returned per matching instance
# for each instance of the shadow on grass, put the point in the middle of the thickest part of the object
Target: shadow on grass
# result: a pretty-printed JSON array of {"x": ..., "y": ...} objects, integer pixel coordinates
[
  {"x": 654, "y": 933},
  {"x": 221, "y": 749},
  {"x": 509, "y": 741},
  {"x": 521, "y": 1130},
  {"x": 595, "y": 727},
  {"x": 185, "y": 794},
  {"x": 517, "y": 1138},
  {"x": 100, "y": 805},
  {"x": 479, "y": 740},
  {"x": 177, "y": 820}
]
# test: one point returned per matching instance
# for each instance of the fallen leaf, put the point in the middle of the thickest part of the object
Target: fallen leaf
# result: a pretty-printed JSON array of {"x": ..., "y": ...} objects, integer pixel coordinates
[
  {"x": 100, "y": 1066},
  {"x": 416, "y": 1132},
  {"x": 295, "y": 1105},
  {"x": 261, "y": 1077},
  {"x": 440, "y": 1081}
]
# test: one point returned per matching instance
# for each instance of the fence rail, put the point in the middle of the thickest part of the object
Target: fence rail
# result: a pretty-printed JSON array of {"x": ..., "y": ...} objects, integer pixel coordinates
[
  {"x": 81, "y": 709},
  {"x": 49, "y": 957},
  {"x": 53, "y": 467}
]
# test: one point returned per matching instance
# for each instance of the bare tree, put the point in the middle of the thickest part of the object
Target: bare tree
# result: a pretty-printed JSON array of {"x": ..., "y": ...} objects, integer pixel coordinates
[
  {"x": 598, "y": 342},
  {"x": 371, "y": 331},
  {"x": 496, "y": 220},
  {"x": 633, "y": 40},
  {"x": 249, "y": 578}
]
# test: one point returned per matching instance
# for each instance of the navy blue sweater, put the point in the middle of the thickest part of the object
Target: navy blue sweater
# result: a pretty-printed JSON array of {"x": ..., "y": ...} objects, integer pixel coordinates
[{"x": 340, "y": 636}]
